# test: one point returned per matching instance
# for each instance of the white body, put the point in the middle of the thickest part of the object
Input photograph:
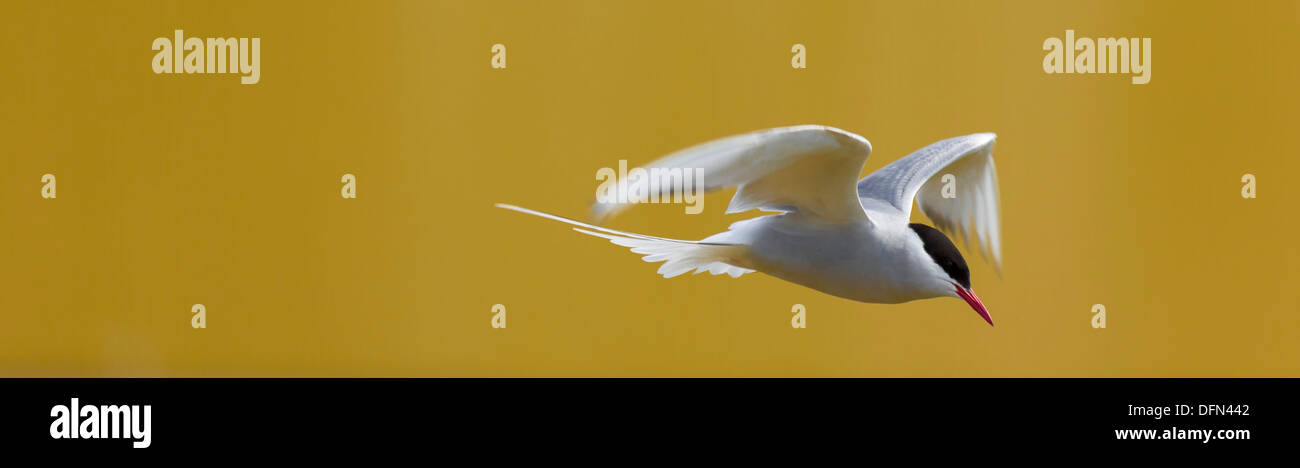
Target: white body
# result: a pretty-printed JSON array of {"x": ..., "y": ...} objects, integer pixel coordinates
[{"x": 843, "y": 260}]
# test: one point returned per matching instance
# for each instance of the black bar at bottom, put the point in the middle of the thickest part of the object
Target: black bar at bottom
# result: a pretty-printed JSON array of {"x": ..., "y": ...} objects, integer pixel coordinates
[{"x": 456, "y": 414}]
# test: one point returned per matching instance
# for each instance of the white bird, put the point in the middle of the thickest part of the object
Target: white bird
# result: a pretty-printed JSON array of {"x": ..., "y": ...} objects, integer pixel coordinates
[{"x": 834, "y": 233}]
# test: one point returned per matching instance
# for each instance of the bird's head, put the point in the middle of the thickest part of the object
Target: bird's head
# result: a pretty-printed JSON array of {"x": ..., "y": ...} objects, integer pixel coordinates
[{"x": 949, "y": 275}]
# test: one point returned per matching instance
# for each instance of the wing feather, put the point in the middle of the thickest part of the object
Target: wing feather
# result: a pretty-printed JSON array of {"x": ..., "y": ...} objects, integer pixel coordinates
[
  {"x": 809, "y": 169},
  {"x": 972, "y": 212}
]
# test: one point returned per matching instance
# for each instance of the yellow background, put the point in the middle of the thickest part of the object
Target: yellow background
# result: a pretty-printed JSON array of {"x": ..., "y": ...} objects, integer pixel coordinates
[{"x": 183, "y": 189}]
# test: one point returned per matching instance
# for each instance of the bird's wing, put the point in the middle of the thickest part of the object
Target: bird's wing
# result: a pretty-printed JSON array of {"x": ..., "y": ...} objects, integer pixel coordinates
[
  {"x": 808, "y": 169},
  {"x": 921, "y": 175}
]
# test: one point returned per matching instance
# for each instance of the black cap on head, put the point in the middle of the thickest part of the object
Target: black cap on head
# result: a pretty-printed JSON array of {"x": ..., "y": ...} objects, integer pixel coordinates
[{"x": 943, "y": 253}]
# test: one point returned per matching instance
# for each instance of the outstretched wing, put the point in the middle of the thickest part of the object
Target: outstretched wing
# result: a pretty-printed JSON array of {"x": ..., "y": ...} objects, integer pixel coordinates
[
  {"x": 809, "y": 169},
  {"x": 921, "y": 176}
]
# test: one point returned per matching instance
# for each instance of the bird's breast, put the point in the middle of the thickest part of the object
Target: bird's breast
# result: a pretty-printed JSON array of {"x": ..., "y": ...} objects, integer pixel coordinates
[{"x": 854, "y": 261}]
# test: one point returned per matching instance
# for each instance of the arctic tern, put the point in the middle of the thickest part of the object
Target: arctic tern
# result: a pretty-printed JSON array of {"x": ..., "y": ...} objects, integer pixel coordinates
[{"x": 833, "y": 233}]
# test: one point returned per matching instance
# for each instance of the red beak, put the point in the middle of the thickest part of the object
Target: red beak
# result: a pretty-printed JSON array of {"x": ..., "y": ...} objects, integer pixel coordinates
[{"x": 975, "y": 303}]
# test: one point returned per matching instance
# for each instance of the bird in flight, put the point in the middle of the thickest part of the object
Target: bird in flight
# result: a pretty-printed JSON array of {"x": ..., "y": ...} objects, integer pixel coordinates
[{"x": 833, "y": 233}]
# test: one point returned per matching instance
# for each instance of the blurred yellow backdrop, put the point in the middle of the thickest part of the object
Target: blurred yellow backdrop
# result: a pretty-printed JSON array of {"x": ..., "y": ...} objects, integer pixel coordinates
[{"x": 182, "y": 189}]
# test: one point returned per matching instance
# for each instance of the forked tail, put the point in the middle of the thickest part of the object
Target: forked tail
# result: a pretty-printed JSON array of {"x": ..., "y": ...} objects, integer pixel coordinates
[{"x": 679, "y": 256}]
